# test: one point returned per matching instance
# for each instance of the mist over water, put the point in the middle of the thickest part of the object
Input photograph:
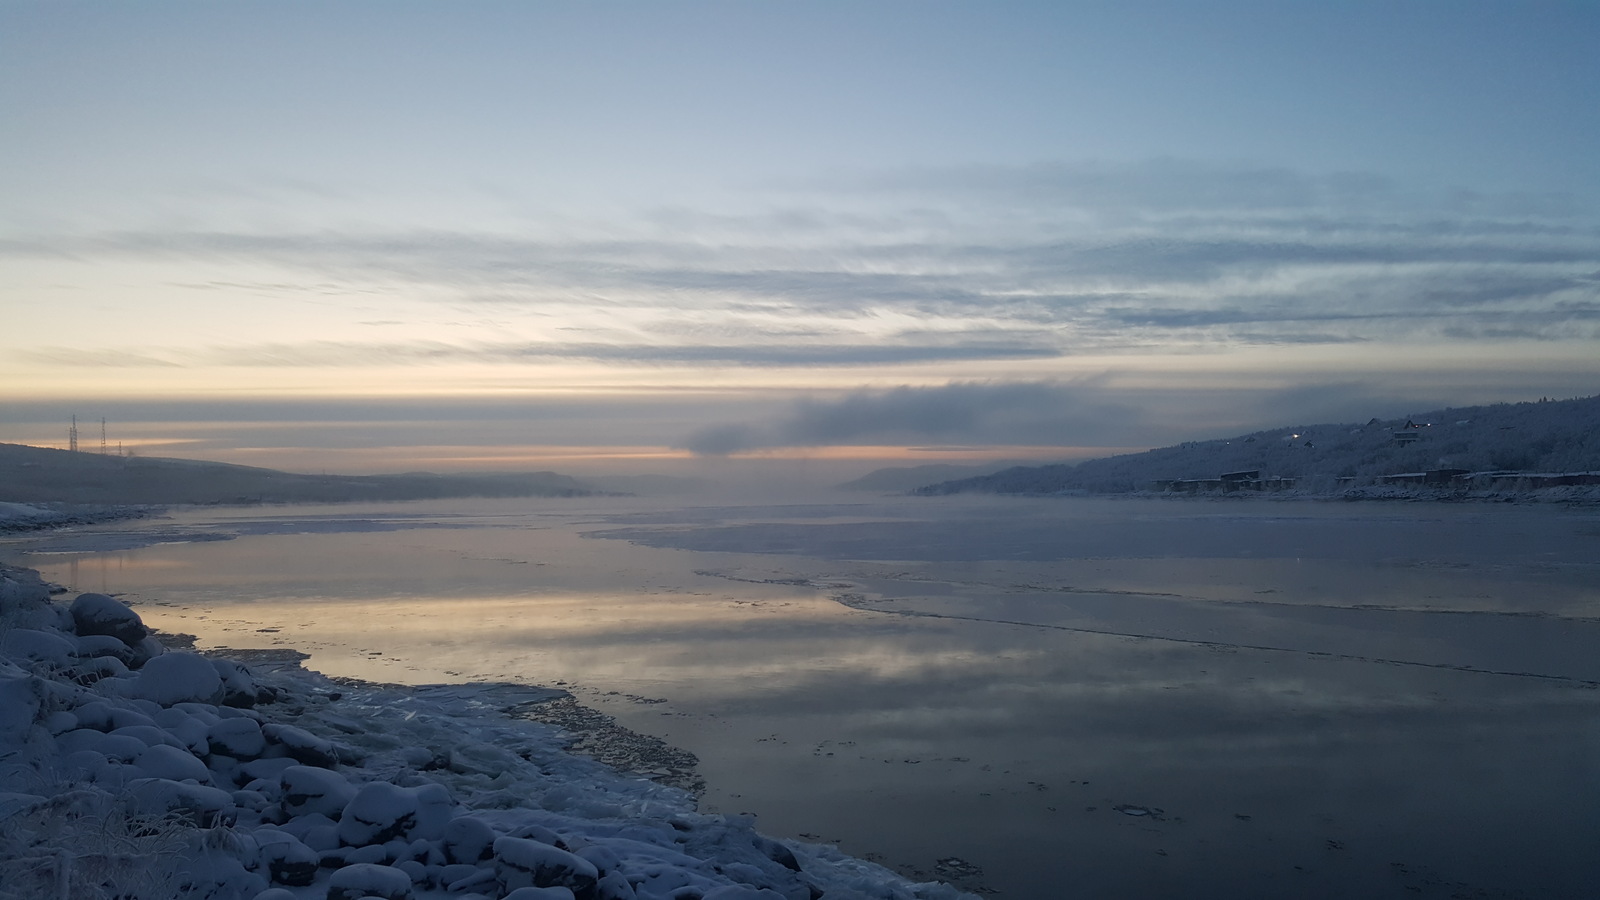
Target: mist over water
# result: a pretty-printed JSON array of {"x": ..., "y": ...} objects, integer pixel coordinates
[{"x": 1065, "y": 696}]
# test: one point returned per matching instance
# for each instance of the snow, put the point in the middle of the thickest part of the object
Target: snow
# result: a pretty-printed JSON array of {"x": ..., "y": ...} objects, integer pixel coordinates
[
  {"x": 38, "y": 647},
  {"x": 368, "y": 880},
  {"x": 309, "y": 789},
  {"x": 381, "y": 812},
  {"x": 288, "y": 861},
  {"x": 538, "y": 893},
  {"x": 174, "y": 678},
  {"x": 139, "y": 782},
  {"x": 172, "y": 764},
  {"x": 468, "y": 841},
  {"x": 99, "y": 614},
  {"x": 522, "y": 863},
  {"x": 299, "y": 744},
  {"x": 24, "y": 512},
  {"x": 239, "y": 738}
]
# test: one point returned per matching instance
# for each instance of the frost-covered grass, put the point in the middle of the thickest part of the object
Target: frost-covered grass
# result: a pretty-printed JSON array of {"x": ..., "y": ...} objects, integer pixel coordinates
[{"x": 83, "y": 843}]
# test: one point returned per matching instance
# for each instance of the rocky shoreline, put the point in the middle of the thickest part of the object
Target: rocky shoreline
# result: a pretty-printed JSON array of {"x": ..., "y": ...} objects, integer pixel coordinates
[{"x": 132, "y": 770}]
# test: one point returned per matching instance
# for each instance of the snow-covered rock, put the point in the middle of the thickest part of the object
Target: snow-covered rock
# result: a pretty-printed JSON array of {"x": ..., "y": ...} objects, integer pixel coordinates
[
  {"x": 97, "y": 645},
  {"x": 38, "y": 647},
  {"x": 189, "y": 731},
  {"x": 151, "y": 735},
  {"x": 301, "y": 745},
  {"x": 165, "y": 761},
  {"x": 311, "y": 789},
  {"x": 381, "y": 812},
  {"x": 540, "y": 893},
  {"x": 265, "y": 771},
  {"x": 239, "y": 688},
  {"x": 468, "y": 840},
  {"x": 287, "y": 860},
  {"x": 102, "y": 715},
  {"x": 20, "y": 588},
  {"x": 203, "y": 805},
  {"x": 179, "y": 677},
  {"x": 365, "y": 880},
  {"x": 101, "y": 614},
  {"x": 741, "y": 892},
  {"x": 521, "y": 863},
  {"x": 91, "y": 670},
  {"x": 120, "y": 747},
  {"x": 239, "y": 738}
]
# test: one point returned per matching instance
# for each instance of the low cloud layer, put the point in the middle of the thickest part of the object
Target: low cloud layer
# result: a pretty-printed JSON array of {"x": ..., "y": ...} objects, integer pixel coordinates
[
  {"x": 1025, "y": 413},
  {"x": 1099, "y": 412}
]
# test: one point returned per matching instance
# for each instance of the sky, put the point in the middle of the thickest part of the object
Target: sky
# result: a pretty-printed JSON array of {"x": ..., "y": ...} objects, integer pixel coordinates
[{"x": 656, "y": 236}]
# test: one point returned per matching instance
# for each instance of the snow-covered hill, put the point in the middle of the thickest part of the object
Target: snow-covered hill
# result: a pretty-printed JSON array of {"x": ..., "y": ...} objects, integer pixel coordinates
[
  {"x": 32, "y": 475},
  {"x": 1541, "y": 437}
]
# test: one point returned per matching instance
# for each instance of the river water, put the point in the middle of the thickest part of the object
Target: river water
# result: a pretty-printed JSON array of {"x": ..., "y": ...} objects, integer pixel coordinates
[{"x": 1035, "y": 697}]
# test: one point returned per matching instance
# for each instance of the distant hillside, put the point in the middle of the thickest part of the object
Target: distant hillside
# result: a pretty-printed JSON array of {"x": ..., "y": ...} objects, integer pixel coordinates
[
  {"x": 1540, "y": 437},
  {"x": 39, "y": 475},
  {"x": 898, "y": 479}
]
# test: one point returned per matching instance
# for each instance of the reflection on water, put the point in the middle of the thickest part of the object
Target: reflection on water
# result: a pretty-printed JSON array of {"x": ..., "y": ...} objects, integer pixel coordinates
[{"x": 1076, "y": 697}]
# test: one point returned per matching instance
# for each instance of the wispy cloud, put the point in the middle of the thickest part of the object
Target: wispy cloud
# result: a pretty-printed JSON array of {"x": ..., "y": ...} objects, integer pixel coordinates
[
  {"x": 956, "y": 264},
  {"x": 341, "y": 354}
]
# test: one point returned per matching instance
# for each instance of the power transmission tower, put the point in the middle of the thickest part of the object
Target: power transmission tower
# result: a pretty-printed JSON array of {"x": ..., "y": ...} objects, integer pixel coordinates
[
  {"x": 72, "y": 436},
  {"x": 102, "y": 435}
]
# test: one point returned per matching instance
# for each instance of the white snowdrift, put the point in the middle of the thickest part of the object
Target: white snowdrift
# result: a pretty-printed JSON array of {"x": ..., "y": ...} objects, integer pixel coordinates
[{"x": 130, "y": 773}]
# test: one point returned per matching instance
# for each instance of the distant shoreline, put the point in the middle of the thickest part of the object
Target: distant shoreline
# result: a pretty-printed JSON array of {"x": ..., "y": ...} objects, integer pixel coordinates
[
  {"x": 1586, "y": 495},
  {"x": 21, "y": 518}
]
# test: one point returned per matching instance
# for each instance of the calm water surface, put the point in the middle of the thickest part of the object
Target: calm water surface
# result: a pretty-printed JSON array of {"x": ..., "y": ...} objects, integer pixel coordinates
[{"x": 1067, "y": 697}]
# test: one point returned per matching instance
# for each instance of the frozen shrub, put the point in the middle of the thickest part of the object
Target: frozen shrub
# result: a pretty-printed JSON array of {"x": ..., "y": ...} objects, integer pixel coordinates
[
  {"x": 84, "y": 844},
  {"x": 21, "y": 703}
]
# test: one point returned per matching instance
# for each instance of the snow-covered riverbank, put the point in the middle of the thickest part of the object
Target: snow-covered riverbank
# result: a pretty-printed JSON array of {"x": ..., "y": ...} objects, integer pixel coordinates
[
  {"x": 17, "y": 517},
  {"x": 133, "y": 771}
]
